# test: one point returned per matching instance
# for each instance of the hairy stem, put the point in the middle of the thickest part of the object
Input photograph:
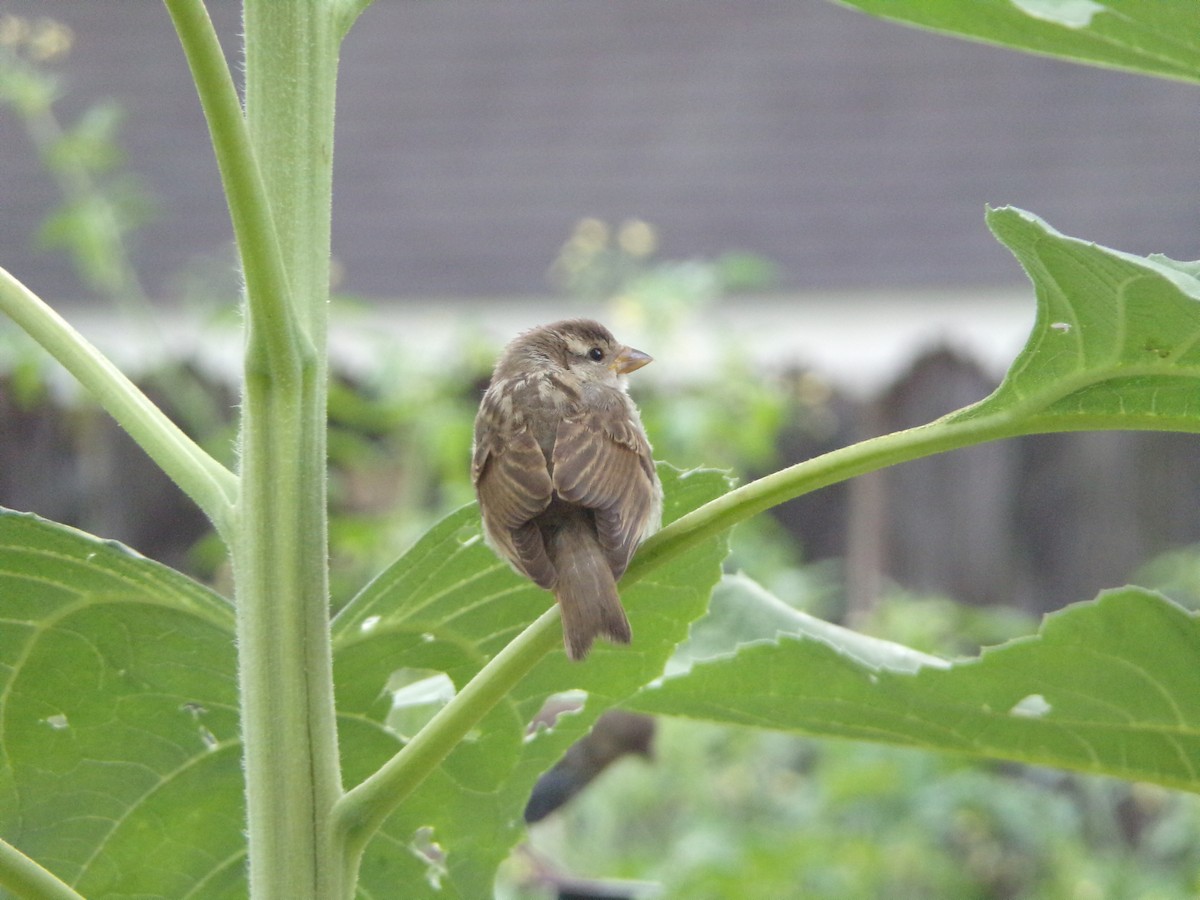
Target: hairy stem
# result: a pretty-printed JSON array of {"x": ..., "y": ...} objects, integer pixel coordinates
[
  {"x": 271, "y": 318},
  {"x": 25, "y": 878},
  {"x": 276, "y": 166}
]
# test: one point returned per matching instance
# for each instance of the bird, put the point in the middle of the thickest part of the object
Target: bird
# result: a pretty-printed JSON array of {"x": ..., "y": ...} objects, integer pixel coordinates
[{"x": 564, "y": 472}]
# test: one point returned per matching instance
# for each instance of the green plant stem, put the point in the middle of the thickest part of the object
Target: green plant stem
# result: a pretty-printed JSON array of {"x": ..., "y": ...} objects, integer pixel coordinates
[
  {"x": 25, "y": 878},
  {"x": 272, "y": 319},
  {"x": 346, "y": 13},
  {"x": 276, "y": 166},
  {"x": 813, "y": 474},
  {"x": 213, "y": 487},
  {"x": 280, "y": 552},
  {"x": 284, "y": 660},
  {"x": 365, "y": 807}
]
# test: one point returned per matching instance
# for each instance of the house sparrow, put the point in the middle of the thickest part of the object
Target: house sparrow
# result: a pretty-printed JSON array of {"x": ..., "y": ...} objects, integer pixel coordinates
[{"x": 563, "y": 471}]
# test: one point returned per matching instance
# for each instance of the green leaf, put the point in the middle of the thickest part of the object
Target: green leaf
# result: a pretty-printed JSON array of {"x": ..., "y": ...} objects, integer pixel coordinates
[
  {"x": 1152, "y": 38},
  {"x": 121, "y": 767},
  {"x": 743, "y": 612},
  {"x": 1116, "y": 343},
  {"x": 446, "y": 606},
  {"x": 1108, "y": 687}
]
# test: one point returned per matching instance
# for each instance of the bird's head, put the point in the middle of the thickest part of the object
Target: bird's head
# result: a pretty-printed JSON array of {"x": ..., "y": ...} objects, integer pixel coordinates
[{"x": 581, "y": 347}]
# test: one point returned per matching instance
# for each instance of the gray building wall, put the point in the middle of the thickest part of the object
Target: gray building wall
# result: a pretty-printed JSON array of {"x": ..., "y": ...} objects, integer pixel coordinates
[{"x": 472, "y": 136}]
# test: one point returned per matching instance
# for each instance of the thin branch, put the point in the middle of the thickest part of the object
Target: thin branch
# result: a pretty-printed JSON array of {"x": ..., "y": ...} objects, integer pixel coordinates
[
  {"x": 277, "y": 168},
  {"x": 213, "y": 487},
  {"x": 25, "y": 878},
  {"x": 271, "y": 318}
]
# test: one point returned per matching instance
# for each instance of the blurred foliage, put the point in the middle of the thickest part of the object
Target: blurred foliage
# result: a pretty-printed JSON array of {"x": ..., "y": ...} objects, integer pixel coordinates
[
  {"x": 101, "y": 208},
  {"x": 726, "y": 415},
  {"x": 728, "y": 813},
  {"x": 399, "y": 442},
  {"x": 943, "y": 627},
  {"x": 1176, "y": 574},
  {"x": 102, "y": 205},
  {"x": 24, "y": 369}
]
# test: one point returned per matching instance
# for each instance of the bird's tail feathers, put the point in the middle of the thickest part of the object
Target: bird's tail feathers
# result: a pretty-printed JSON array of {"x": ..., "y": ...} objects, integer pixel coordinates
[{"x": 586, "y": 592}]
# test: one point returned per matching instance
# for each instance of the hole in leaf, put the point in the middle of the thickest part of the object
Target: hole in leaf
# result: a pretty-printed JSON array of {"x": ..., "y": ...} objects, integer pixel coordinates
[
  {"x": 195, "y": 710},
  {"x": 208, "y": 739},
  {"x": 417, "y": 695},
  {"x": 566, "y": 703},
  {"x": 1032, "y": 707}
]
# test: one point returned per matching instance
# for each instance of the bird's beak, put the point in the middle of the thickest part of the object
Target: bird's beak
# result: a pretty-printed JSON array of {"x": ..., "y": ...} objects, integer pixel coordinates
[{"x": 629, "y": 360}]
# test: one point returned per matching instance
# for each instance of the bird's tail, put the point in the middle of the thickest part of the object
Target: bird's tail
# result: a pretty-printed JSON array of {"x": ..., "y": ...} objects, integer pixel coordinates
[{"x": 586, "y": 590}]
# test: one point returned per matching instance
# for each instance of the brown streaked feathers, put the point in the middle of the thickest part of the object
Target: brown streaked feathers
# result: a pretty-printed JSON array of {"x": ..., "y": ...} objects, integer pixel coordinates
[{"x": 564, "y": 472}]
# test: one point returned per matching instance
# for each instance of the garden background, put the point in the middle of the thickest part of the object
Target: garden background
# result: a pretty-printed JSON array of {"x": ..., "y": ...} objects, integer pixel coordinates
[{"x": 783, "y": 202}]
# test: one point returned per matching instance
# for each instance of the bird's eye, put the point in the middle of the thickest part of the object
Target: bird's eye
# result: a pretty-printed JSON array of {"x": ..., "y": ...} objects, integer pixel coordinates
[{"x": 595, "y": 354}]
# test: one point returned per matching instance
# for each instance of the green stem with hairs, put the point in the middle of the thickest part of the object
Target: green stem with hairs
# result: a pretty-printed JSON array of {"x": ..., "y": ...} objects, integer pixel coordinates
[
  {"x": 25, "y": 878},
  {"x": 276, "y": 165},
  {"x": 210, "y": 485}
]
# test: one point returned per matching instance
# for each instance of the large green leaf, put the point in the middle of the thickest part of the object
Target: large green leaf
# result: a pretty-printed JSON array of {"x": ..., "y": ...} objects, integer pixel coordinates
[
  {"x": 1150, "y": 37},
  {"x": 1109, "y": 687},
  {"x": 446, "y": 606},
  {"x": 118, "y": 718},
  {"x": 1116, "y": 343}
]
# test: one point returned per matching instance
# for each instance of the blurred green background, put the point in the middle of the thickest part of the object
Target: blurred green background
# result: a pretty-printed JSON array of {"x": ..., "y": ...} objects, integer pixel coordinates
[{"x": 717, "y": 812}]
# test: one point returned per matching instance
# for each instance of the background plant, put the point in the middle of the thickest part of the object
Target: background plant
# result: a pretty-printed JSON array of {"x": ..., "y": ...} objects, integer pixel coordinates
[
  {"x": 130, "y": 722},
  {"x": 102, "y": 206}
]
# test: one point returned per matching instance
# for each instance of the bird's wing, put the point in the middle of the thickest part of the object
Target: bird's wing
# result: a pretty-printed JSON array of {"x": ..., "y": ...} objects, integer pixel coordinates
[
  {"x": 513, "y": 483},
  {"x": 602, "y": 462}
]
